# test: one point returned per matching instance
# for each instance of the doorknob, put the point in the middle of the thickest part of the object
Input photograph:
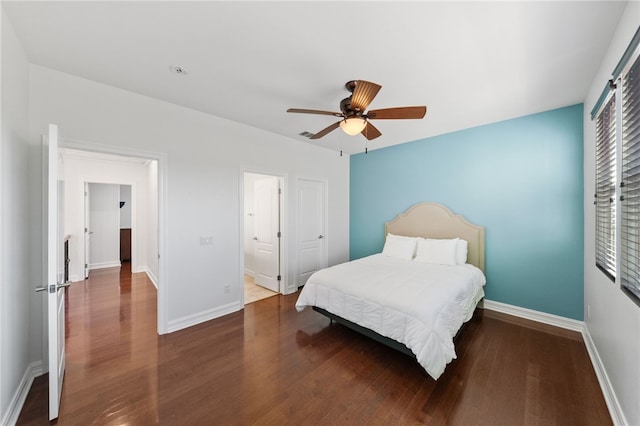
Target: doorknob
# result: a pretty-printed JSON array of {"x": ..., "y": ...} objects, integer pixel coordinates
[
  {"x": 320, "y": 237},
  {"x": 52, "y": 288},
  {"x": 255, "y": 238}
]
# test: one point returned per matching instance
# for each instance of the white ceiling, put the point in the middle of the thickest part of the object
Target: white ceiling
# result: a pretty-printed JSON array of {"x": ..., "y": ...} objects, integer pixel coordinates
[{"x": 471, "y": 63}]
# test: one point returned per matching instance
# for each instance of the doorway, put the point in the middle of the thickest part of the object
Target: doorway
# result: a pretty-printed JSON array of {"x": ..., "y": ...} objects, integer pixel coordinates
[
  {"x": 125, "y": 223},
  {"x": 263, "y": 224},
  {"x": 138, "y": 181},
  {"x": 107, "y": 226}
]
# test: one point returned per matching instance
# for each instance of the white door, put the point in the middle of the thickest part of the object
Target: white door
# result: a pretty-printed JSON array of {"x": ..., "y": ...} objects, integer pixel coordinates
[
  {"x": 87, "y": 232},
  {"x": 310, "y": 215},
  {"x": 54, "y": 286},
  {"x": 267, "y": 232}
]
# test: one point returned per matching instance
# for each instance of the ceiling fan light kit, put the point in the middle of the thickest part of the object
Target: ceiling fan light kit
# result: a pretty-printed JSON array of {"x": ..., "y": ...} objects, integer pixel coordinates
[
  {"x": 354, "y": 119},
  {"x": 353, "y": 125}
]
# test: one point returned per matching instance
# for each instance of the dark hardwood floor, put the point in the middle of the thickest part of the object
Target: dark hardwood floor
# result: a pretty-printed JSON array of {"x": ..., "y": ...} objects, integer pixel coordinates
[{"x": 270, "y": 364}]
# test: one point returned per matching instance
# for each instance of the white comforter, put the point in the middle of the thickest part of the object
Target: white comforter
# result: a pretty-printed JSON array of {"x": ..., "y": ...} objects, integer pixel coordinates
[{"x": 418, "y": 304}]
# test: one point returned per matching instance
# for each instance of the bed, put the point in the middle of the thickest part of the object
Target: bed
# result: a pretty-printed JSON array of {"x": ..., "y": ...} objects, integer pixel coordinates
[{"x": 414, "y": 300}]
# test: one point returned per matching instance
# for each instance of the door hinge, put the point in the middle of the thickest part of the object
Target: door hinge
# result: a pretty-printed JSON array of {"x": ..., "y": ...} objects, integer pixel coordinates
[
  {"x": 279, "y": 277},
  {"x": 86, "y": 266},
  {"x": 279, "y": 234},
  {"x": 279, "y": 191},
  {"x": 85, "y": 230}
]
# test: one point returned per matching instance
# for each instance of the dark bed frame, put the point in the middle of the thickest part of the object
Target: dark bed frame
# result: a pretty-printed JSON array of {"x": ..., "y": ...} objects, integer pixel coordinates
[{"x": 394, "y": 344}]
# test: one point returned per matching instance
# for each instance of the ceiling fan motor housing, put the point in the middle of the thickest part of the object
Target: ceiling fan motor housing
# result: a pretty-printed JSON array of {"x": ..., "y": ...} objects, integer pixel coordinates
[
  {"x": 345, "y": 107},
  {"x": 351, "y": 85},
  {"x": 345, "y": 104}
]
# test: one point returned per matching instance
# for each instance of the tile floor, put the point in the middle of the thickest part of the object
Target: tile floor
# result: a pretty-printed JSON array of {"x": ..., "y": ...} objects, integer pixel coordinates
[{"x": 253, "y": 292}]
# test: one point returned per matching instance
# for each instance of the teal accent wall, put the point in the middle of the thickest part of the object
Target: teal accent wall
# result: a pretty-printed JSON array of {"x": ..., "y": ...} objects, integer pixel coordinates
[{"x": 521, "y": 178}]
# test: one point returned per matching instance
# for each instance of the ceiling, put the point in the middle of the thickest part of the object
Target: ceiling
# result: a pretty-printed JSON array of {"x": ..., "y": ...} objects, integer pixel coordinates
[{"x": 471, "y": 63}]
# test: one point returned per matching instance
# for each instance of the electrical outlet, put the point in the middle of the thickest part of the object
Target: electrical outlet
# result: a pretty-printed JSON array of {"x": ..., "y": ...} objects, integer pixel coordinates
[{"x": 227, "y": 288}]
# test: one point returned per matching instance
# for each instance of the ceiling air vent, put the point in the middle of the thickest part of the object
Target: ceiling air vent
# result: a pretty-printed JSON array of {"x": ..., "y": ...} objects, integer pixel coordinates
[
  {"x": 306, "y": 134},
  {"x": 178, "y": 70}
]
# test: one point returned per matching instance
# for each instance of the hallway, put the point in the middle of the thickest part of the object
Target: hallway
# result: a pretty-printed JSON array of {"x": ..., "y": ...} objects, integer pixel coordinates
[{"x": 111, "y": 346}]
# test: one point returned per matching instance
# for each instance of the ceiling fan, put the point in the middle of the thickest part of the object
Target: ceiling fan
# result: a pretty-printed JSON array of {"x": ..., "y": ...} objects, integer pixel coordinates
[{"x": 354, "y": 118}]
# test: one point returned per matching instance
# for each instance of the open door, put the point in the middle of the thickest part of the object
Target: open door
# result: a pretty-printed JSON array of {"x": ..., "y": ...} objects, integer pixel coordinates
[
  {"x": 54, "y": 286},
  {"x": 267, "y": 232},
  {"x": 87, "y": 233}
]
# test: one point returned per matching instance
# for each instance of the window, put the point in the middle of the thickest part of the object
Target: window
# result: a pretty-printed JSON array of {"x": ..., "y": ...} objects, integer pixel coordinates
[
  {"x": 630, "y": 182},
  {"x": 606, "y": 188},
  {"x": 617, "y": 206}
]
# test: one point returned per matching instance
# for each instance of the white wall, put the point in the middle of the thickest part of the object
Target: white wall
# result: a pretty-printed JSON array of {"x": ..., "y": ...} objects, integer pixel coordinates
[
  {"x": 104, "y": 225},
  {"x": 80, "y": 169},
  {"x": 205, "y": 156},
  {"x": 125, "y": 210},
  {"x": 16, "y": 287},
  {"x": 614, "y": 320}
]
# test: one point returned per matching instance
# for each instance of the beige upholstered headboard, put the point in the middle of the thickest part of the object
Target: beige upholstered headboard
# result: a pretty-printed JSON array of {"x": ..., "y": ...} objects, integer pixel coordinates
[{"x": 433, "y": 220}]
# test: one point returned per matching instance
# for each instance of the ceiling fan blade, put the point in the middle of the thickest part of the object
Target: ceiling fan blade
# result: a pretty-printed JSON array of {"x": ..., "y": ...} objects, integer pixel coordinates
[
  {"x": 397, "y": 113},
  {"x": 314, "y": 111},
  {"x": 363, "y": 94},
  {"x": 326, "y": 130},
  {"x": 370, "y": 131}
]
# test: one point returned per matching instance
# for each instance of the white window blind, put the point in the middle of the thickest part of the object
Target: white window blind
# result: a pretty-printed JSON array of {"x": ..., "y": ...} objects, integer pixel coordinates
[
  {"x": 606, "y": 188},
  {"x": 630, "y": 184}
]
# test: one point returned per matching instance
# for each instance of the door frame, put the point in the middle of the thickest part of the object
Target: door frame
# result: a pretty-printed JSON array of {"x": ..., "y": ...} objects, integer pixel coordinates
[
  {"x": 161, "y": 158},
  {"x": 285, "y": 228},
  {"x": 325, "y": 201},
  {"x": 87, "y": 225},
  {"x": 134, "y": 222}
]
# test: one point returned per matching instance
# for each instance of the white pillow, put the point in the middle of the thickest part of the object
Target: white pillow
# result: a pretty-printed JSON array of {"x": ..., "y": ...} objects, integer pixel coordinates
[
  {"x": 461, "y": 251},
  {"x": 400, "y": 247},
  {"x": 441, "y": 252}
]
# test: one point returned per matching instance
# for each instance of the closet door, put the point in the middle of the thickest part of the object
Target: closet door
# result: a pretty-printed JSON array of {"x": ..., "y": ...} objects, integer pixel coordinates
[{"x": 311, "y": 228}]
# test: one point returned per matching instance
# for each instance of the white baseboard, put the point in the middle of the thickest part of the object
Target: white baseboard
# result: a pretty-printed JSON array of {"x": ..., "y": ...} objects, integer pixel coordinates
[
  {"x": 530, "y": 314},
  {"x": 76, "y": 278},
  {"x": 190, "y": 320},
  {"x": 15, "y": 407},
  {"x": 152, "y": 277},
  {"x": 103, "y": 265},
  {"x": 615, "y": 410}
]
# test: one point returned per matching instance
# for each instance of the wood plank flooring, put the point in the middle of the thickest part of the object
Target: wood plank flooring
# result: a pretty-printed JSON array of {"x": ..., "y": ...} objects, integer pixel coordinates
[{"x": 270, "y": 364}]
